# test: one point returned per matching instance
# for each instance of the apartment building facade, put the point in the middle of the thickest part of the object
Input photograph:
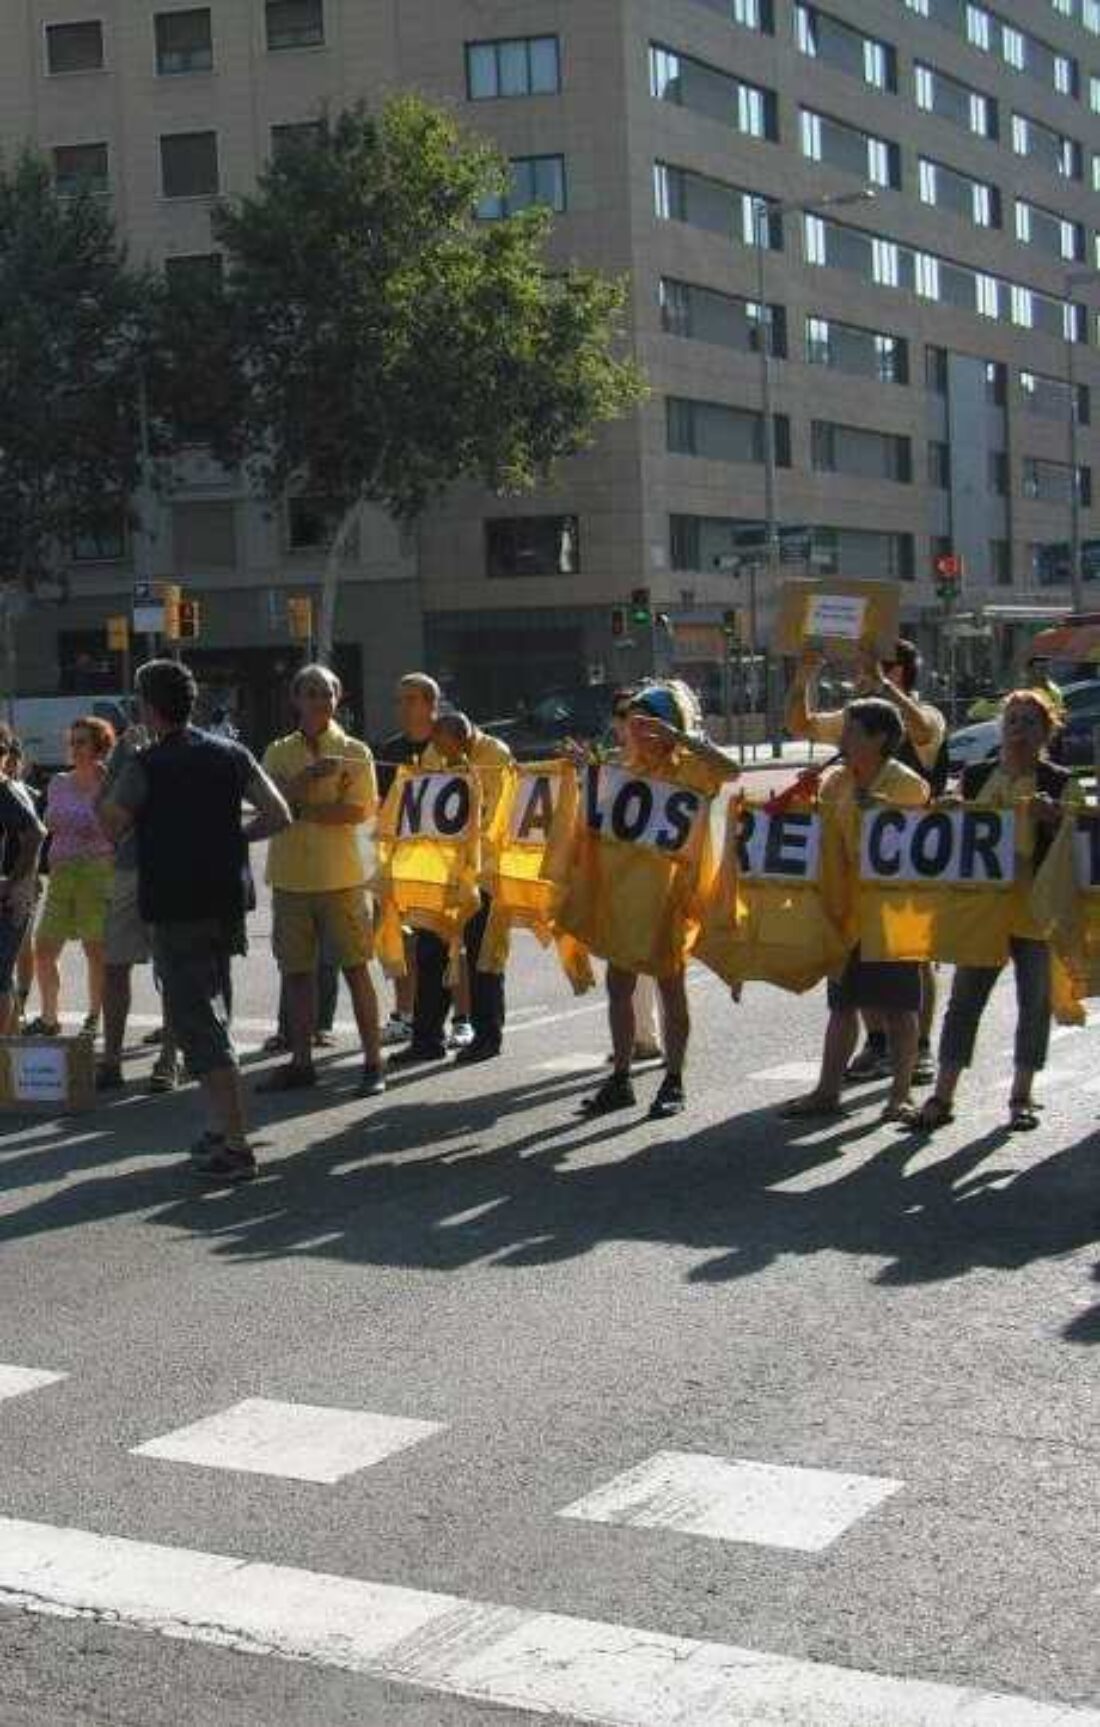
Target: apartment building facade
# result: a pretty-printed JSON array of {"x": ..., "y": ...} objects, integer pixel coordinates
[{"x": 934, "y": 348}]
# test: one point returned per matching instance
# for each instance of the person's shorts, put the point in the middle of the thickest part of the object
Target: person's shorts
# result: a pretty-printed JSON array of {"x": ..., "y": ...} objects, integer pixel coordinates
[
  {"x": 305, "y": 925},
  {"x": 192, "y": 962},
  {"x": 77, "y": 898},
  {"x": 888, "y": 986},
  {"x": 12, "y": 932},
  {"x": 126, "y": 938}
]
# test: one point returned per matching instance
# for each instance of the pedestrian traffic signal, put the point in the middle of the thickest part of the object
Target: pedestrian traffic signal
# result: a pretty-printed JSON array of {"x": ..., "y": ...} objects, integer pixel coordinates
[
  {"x": 948, "y": 568},
  {"x": 188, "y": 620},
  {"x": 618, "y": 623},
  {"x": 299, "y": 617},
  {"x": 170, "y": 599},
  {"x": 640, "y": 609},
  {"x": 731, "y": 627}
]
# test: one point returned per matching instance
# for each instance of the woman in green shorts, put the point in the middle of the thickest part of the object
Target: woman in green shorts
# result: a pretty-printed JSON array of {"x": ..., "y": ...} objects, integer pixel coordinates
[{"x": 81, "y": 867}]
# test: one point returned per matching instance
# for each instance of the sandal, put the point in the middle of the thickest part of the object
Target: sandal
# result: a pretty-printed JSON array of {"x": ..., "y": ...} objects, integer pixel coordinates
[
  {"x": 926, "y": 1117},
  {"x": 1022, "y": 1116},
  {"x": 42, "y": 1028},
  {"x": 812, "y": 1107}
]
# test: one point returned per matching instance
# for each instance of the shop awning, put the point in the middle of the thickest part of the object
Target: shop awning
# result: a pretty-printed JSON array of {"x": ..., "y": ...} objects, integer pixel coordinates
[{"x": 1069, "y": 642}]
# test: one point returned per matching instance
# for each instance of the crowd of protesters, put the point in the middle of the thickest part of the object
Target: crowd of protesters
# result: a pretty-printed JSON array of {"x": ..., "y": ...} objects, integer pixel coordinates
[{"x": 148, "y": 835}]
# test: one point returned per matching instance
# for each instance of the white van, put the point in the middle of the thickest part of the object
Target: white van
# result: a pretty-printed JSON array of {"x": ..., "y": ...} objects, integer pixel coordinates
[{"x": 42, "y": 724}]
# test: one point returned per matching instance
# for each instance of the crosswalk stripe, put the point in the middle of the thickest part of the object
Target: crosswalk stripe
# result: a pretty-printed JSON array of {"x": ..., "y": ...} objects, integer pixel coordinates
[
  {"x": 299, "y": 1441},
  {"x": 732, "y": 1499},
  {"x": 16, "y": 1381},
  {"x": 547, "y": 1663}
]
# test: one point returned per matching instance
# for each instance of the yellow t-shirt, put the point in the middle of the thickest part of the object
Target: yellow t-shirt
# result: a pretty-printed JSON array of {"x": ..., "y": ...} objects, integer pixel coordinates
[
  {"x": 825, "y": 728},
  {"x": 309, "y": 857},
  {"x": 1013, "y": 792}
]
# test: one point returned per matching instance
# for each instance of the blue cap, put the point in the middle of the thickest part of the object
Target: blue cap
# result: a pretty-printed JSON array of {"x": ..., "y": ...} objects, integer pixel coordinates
[{"x": 660, "y": 704}]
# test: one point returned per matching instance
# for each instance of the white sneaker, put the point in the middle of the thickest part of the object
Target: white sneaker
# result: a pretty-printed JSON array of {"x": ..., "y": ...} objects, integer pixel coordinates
[
  {"x": 397, "y": 1029},
  {"x": 461, "y": 1035}
]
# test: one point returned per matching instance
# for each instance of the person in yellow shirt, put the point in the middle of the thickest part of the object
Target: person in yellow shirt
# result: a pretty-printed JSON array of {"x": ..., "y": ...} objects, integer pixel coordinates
[
  {"x": 871, "y": 733},
  {"x": 457, "y": 743},
  {"x": 663, "y": 739},
  {"x": 318, "y": 876},
  {"x": 1038, "y": 790},
  {"x": 923, "y": 748}
]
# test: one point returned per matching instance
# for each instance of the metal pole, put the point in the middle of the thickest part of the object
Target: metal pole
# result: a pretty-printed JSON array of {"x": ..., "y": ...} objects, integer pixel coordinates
[
  {"x": 145, "y": 557},
  {"x": 1075, "y": 583},
  {"x": 771, "y": 527}
]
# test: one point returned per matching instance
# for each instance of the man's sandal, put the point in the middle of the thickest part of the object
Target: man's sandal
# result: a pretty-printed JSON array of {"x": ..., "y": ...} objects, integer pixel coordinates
[
  {"x": 812, "y": 1107},
  {"x": 926, "y": 1117},
  {"x": 1022, "y": 1116}
]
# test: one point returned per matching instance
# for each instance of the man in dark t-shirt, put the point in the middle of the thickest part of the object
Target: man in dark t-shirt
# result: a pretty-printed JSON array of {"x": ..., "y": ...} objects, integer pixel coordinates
[
  {"x": 21, "y": 838},
  {"x": 182, "y": 799}
]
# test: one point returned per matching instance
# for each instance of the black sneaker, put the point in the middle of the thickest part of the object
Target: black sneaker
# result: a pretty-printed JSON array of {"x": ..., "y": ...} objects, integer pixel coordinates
[
  {"x": 373, "y": 1082},
  {"x": 415, "y": 1055},
  {"x": 108, "y": 1077},
  {"x": 482, "y": 1049},
  {"x": 292, "y": 1077},
  {"x": 670, "y": 1099},
  {"x": 616, "y": 1092},
  {"x": 222, "y": 1163}
]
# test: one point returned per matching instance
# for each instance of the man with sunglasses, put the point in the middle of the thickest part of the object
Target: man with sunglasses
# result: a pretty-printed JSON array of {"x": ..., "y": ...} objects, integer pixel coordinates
[{"x": 318, "y": 876}]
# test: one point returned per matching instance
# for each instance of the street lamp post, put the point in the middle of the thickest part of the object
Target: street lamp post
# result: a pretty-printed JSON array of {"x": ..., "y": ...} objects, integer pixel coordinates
[
  {"x": 1075, "y": 279},
  {"x": 763, "y": 212}
]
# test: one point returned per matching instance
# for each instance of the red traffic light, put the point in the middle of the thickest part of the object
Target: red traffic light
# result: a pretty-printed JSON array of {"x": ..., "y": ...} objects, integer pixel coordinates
[{"x": 948, "y": 566}]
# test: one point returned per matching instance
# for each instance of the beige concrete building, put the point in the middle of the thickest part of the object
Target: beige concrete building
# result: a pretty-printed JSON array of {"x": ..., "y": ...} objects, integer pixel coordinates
[{"x": 935, "y": 348}]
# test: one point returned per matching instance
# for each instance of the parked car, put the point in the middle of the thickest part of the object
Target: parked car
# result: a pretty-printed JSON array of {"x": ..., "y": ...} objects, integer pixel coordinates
[
  {"x": 42, "y": 723},
  {"x": 583, "y": 713},
  {"x": 1073, "y": 745}
]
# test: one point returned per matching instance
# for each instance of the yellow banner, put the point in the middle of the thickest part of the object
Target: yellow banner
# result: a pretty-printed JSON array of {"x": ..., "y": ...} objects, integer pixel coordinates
[
  {"x": 537, "y": 831},
  {"x": 429, "y": 858}
]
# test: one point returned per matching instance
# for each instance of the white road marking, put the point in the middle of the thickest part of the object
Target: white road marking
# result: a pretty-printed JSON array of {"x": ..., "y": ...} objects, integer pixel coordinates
[
  {"x": 766, "y": 1504},
  {"x": 578, "y": 1063},
  {"x": 16, "y": 1381},
  {"x": 787, "y": 1073},
  {"x": 299, "y": 1440},
  {"x": 588, "y": 1671},
  {"x": 558, "y": 1018}
]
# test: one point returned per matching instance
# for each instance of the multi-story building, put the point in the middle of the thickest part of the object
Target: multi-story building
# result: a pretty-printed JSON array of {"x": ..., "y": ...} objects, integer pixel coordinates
[{"x": 934, "y": 348}]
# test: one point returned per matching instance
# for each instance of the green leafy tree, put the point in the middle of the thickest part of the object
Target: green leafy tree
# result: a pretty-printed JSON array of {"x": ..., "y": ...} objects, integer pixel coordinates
[
  {"x": 74, "y": 319},
  {"x": 390, "y": 343}
]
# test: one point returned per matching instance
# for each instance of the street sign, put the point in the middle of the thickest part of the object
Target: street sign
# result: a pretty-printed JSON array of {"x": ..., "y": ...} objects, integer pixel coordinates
[{"x": 148, "y": 610}]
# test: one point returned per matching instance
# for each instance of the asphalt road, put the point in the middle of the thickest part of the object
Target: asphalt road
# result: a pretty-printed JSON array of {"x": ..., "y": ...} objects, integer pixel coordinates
[{"x": 560, "y": 1303}]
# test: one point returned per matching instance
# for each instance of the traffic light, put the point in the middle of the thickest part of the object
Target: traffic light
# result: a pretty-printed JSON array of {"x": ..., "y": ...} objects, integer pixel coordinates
[
  {"x": 299, "y": 617},
  {"x": 948, "y": 568},
  {"x": 188, "y": 620},
  {"x": 118, "y": 635},
  {"x": 618, "y": 623},
  {"x": 640, "y": 610}
]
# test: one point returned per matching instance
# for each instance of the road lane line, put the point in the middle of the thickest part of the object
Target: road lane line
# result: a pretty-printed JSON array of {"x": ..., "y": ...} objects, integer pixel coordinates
[{"x": 548, "y": 1663}]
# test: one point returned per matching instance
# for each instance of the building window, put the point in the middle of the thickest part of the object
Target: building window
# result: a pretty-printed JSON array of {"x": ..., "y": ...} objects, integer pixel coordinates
[
  {"x": 194, "y": 271},
  {"x": 750, "y": 14},
  {"x": 102, "y": 541},
  {"x": 1065, "y": 75},
  {"x": 74, "y": 47},
  {"x": 720, "y": 433},
  {"x": 295, "y": 135},
  {"x": 861, "y": 352},
  {"x": 532, "y": 546},
  {"x": 1000, "y": 562},
  {"x": 1050, "y": 398},
  {"x": 1013, "y": 47},
  {"x": 189, "y": 164},
  {"x": 706, "y": 90},
  {"x": 996, "y": 383},
  {"x": 204, "y": 536},
  {"x": 311, "y": 521},
  {"x": 840, "y": 449},
  {"x": 535, "y": 180},
  {"x": 81, "y": 168},
  {"x": 295, "y": 23},
  {"x": 184, "y": 40},
  {"x": 517, "y": 66},
  {"x": 706, "y": 315},
  {"x": 822, "y": 37},
  {"x": 1051, "y": 483},
  {"x": 939, "y": 465},
  {"x": 998, "y": 473},
  {"x": 935, "y": 370},
  {"x": 978, "y": 27}
]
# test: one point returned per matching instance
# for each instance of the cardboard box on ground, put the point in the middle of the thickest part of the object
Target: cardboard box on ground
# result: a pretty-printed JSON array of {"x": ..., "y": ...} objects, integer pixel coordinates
[{"x": 46, "y": 1075}]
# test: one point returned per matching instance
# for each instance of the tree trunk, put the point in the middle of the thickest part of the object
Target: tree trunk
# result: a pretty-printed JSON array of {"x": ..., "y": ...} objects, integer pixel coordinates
[{"x": 326, "y": 627}]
